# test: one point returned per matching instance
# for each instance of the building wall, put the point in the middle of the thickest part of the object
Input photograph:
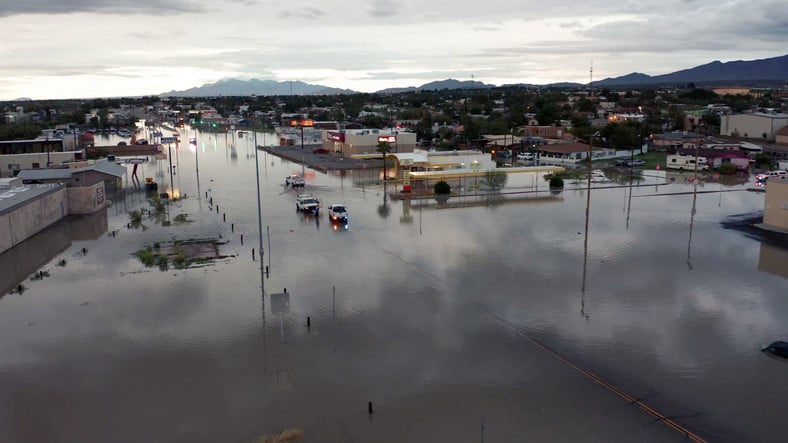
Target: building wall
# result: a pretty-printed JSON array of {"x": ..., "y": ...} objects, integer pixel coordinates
[
  {"x": 367, "y": 142},
  {"x": 781, "y": 139},
  {"x": 86, "y": 200},
  {"x": 775, "y": 211},
  {"x": 25, "y": 221},
  {"x": 752, "y": 125},
  {"x": 8, "y": 163}
]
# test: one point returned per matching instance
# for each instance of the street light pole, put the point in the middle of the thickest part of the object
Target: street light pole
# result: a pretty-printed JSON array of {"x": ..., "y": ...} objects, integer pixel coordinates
[{"x": 259, "y": 205}]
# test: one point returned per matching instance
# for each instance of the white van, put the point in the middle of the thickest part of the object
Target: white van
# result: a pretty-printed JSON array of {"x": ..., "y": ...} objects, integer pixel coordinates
[{"x": 687, "y": 162}]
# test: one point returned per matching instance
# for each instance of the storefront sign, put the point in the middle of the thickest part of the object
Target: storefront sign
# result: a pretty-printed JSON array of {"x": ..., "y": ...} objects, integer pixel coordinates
[{"x": 387, "y": 139}]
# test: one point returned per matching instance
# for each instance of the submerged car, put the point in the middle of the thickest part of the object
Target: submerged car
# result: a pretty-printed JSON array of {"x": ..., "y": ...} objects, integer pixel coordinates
[
  {"x": 778, "y": 348},
  {"x": 337, "y": 213}
]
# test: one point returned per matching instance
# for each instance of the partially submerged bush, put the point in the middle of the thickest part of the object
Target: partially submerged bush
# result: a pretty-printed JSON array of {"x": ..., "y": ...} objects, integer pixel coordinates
[
  {"x": 727, "y": 169},
  {"x": 556, "y": 182},
  {"x": 442, "y": 188}
]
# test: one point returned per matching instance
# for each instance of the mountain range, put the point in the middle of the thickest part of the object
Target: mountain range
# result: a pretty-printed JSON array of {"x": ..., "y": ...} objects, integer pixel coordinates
[{"x": 735, "y": 73}]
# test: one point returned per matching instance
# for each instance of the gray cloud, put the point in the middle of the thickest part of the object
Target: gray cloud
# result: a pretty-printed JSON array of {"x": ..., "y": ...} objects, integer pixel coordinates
[
  {"x": 167, "y": 7},
  {"x": 384, "y": 8},
  {"x": 304, "y": 11},
  {"x": 244, "y": 2}
]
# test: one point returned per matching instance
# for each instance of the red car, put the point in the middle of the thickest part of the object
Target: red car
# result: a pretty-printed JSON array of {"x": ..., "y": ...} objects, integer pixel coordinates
[{"x": 320, "y": 151}]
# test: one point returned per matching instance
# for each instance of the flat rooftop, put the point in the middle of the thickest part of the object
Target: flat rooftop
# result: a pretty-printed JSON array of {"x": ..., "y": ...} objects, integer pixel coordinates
[{"x": 15, "y": 196}]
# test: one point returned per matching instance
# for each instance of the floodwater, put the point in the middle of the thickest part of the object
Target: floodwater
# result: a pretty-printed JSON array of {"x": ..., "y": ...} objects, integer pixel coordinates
[{"x": 478, "y": 318}]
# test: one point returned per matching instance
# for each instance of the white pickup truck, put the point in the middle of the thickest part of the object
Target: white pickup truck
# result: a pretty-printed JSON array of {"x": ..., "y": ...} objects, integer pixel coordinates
[
  {"x": 296, "y": 181},
  {"x": 307, "y": 203}
]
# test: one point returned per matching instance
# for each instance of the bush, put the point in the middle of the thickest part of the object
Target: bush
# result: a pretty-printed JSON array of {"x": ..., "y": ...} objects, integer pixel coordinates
[
  {"x": 556, "y": 182},
  {"x": 763, "y": 159},
  {"x": 727, "y": 169},
  {"x": 442, "y": 188}
]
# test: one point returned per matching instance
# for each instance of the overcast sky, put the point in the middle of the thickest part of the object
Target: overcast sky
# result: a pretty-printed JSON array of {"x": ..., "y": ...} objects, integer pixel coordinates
[{"x": 101, "y": 48}]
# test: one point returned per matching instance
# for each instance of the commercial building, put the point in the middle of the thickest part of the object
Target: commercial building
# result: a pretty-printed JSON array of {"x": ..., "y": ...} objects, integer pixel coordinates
[
  {"x": 775, "y": 210},
  {"x": 360, "y": 141},
  {"x": 756, "y": 125},
  {"x": 45, "y": 196},
  {"x": 12, "y": 164}
]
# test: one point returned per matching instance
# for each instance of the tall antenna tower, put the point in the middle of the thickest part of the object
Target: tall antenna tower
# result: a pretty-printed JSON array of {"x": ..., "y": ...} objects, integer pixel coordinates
[{"x": 591, "y": 75}]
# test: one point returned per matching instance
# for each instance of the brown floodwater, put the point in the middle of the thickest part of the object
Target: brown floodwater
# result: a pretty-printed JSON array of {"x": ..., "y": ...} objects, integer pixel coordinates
[{"x": 460, "y": 320}]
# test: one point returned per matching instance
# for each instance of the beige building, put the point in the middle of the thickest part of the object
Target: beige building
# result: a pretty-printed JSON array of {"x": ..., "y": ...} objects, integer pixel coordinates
[
  {"x": 781, "y": 136},
  {"x": 363, "y": 141},
  {"x": 757, "y": 125},
  {"x": 775, "y": 210}
]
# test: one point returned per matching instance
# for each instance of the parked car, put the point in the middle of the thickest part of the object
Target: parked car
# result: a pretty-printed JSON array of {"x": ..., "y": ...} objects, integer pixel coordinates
[
  {"x": 294, "y": 180},
  {"x": 320, "y": 151},
  {"x": 504, "y": 154},
  {"x": 526, "y": 156},
  {"x": 338, "y": 213},
  {"x": 778, "y": 348},
  {"x": 628, "y": 162}
]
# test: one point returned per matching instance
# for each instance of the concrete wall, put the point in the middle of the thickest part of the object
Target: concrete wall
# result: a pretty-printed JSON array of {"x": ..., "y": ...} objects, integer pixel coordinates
[
  {"x": 25, "y": 221},
  {"x": 86, "y": 200},
  {"x": 775, "y": 211}
]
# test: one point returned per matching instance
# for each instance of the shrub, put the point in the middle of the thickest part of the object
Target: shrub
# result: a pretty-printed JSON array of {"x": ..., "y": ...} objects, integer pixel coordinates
[
  {"x": 763, "y": 159},
  {"x": 556, "y": 182},
  {"x": 442, "y": 188},
  {"x": 727, "y": 169}
]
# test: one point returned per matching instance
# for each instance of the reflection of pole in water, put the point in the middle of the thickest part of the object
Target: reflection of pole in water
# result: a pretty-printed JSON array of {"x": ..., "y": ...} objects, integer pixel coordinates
[
  {"x": 629, "y": 203},
  {"x": 585, "y": 241},
  {"x": 420, "y": 218},
  {"x": 692, "y": 212},
  {"x": 692, "y": 221},
  {"x": 262, "y": 303}
]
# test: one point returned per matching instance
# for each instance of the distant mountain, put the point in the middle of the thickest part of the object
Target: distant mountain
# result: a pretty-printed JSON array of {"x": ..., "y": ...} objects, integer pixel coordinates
[
  {"x": 235, "y": 87},
  {"x": 751, "y": 72},
  {"x": 440, "y": 85},
  {"x": 736, "y": 72}
]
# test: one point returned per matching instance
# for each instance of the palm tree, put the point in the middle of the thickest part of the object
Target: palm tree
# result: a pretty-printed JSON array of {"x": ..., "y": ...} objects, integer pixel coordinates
[{"x": 384, "y": 148}]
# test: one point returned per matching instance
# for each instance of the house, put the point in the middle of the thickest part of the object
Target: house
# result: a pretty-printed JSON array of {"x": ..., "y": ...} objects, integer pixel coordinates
[
  {"x": 675, "y": 140},
  {"x": 543, "y": 131},
  {"x": 570, "y": 153}
]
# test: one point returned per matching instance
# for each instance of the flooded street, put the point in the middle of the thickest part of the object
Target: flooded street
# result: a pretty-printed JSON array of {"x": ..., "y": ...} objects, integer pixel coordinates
[{"x": 478, "y": 317}]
